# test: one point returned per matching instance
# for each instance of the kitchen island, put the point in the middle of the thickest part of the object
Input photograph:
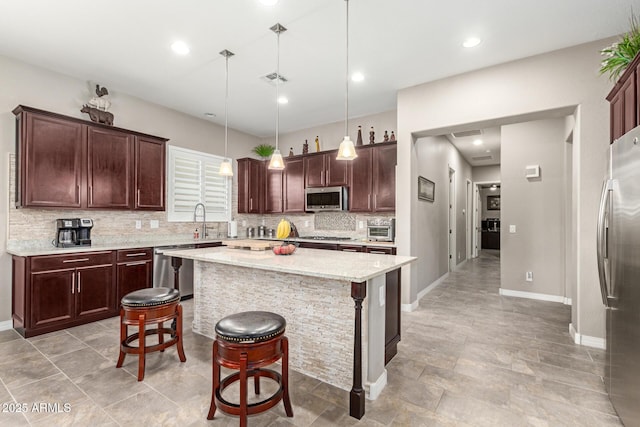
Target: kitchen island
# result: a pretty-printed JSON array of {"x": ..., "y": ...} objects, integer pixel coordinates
[{"x": 329, "y": 338}]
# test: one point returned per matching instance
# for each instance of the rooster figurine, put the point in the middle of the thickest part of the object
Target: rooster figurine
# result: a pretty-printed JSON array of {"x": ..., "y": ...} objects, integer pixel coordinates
[{"x": 101, "y": 101}]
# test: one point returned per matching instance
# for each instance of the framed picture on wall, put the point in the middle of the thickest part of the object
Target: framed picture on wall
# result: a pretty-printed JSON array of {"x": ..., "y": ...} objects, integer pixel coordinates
[
  {"x": 426, "y": 189},
  {"x": 493, "y": 203}
]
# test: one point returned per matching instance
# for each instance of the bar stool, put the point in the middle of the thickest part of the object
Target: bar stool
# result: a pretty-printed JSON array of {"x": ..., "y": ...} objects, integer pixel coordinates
[
  {"x": 247, "y": 342},
  {"x": 145, "y": 307}
]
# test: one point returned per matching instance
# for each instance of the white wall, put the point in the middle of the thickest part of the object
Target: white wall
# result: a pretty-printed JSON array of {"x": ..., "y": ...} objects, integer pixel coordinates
[
  {"x": 36, "y": 87},
  {"x": 486, "y": 173},
  {"x": 535, "y": 206},
  {"x": 556, "y": 81},
  {"x": 434, "y": 156}
]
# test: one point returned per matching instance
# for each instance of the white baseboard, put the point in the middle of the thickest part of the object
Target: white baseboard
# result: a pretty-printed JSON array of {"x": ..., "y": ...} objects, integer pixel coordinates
[
  {"x": 414, "y": 305},
  {"x": 586, "y": 340},
  {"x": 373, "y": 390},
  {"x": 532, "y": 295},
  {"x": 6, "y": 325}
]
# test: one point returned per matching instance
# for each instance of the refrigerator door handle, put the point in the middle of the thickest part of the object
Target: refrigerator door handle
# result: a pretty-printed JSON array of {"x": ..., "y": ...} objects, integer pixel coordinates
[{"x": 603, "y": 240}]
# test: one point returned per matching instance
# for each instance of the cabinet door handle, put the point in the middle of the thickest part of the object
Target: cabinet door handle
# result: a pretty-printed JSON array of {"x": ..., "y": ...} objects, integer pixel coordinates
[
  {"x": 322, "y": 181},
  {"x": 349, "y": 250},
  {"x": 375, "y": 201},
  {"x": 77, "y": 193},
  {"x": 91, "y": 194},
  {"x": 129, "y": 264},
  {"x": 137, "y": 254},
  {"x": 138, "y": 197},
  {"x": 369, "y": 201},
  {"x": 75, "y": 260},
  {"x": 73, "y": 283},
  {"x": 78, "y": 282},
  {"x": 378, "y": 252}
]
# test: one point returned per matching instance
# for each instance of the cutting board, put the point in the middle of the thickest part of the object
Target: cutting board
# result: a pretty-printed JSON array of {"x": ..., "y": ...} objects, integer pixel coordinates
[{"x": 254, "y": 245}]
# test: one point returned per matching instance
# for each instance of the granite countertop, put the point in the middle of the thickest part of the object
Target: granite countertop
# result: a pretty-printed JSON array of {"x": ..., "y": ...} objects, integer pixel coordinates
[
  {"x": 37, "y": 248},
  {"x": 351, "y": 242},
  {"x": 337, "y": 265}
]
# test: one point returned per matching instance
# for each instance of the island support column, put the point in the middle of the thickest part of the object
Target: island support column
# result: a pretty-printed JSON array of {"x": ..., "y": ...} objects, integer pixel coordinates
[
  {"x": 176, "y": 263},
  {"x": 356, "y": 397}
]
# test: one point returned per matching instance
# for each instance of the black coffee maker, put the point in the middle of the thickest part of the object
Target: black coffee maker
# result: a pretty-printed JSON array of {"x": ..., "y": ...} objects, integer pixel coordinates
[{"x": 73, "y": 232}]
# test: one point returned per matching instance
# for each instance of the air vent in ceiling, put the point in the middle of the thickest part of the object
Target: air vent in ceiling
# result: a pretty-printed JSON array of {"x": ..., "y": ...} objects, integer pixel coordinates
[
  {"x": 481, "y": 158},
  {"x": 466, "y": 133},
  {"x": 271, "y": 78}
]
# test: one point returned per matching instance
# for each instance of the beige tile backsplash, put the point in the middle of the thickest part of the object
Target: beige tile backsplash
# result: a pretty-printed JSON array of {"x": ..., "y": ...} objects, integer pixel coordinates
[{"x": 120, "y": 226}]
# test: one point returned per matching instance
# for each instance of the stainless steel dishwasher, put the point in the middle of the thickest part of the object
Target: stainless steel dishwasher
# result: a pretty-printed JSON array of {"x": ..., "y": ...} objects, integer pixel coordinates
[{"x": 163, "y": 272}]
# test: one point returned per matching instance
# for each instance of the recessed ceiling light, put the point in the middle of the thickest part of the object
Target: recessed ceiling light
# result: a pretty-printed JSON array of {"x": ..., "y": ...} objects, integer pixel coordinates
[
  {"x": 477, "y": 142},
  {"x": 283, "y": 100},
  {"x": 471, "y": 42},
  {"x": 180, "y": 48},
  {"x": 357, "y": 77},
  {"x": 269, "y": 2},
  {"x": 210, "y": 115}
]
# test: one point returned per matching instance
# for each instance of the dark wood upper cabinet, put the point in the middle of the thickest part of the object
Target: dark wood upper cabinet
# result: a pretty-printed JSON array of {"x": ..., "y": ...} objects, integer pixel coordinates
[
  {"x": 273, "y": 201},
  {"x": 150, "y": 160},
  {"x": 624, "y": 101},
  {"x": 250, "y": 185},
  {"x": 323, "y": 170},
  {"x": 51, "y": 161},
  {"x": 372, "y": 179},
  {"x": 109, "y": 168},
  {"x": 293, "y": 185},
  {"x": 65, "y": 162}
]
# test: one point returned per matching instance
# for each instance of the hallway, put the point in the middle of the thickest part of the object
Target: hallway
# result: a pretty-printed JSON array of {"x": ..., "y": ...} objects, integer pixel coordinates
[{"x": 472, "y": 357}]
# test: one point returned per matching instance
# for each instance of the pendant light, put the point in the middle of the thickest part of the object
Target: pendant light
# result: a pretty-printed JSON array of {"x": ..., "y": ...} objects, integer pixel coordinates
[
  {"x": 225, "y": 166},
  {"x": 276, "y": 161},
  {"x": 347, "y": 151}
]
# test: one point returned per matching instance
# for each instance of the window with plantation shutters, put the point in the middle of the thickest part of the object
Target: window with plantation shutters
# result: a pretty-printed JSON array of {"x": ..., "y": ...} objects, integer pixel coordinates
[{"x": 193, "y": 178}]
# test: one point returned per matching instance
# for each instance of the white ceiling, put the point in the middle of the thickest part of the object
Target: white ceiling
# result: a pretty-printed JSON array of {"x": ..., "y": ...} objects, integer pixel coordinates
[{"x": 125, "y": 46}]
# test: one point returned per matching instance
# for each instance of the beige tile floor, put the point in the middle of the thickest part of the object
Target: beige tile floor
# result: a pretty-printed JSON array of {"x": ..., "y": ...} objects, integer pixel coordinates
[{"x": 468, "y": 357}]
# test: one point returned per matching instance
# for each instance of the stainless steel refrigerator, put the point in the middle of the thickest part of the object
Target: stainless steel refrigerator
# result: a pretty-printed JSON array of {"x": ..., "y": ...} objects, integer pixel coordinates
[{"x": 619, "y": 268}]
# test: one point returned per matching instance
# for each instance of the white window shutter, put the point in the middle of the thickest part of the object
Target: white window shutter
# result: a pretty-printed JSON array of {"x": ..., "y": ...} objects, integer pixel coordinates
[{"x": 193, "y": 178}]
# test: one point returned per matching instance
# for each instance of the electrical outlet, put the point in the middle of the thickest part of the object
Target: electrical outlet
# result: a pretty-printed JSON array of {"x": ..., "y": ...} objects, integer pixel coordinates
[
  {"x": 528, "y": 276},
  {"x": 244, "y": 222},
  {"x": 360, "y": 225},
  {"x": 306, "y": 223},
  {"x": 512, "y": 228},
  {"x": 381, "y": 297},
  {"x": 154, "y": 223},
  {"x": 138, "y": 224}
]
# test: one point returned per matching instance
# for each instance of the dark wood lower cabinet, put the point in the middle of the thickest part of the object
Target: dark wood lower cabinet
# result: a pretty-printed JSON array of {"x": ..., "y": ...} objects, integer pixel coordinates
[{"x": 53, "y": 292}]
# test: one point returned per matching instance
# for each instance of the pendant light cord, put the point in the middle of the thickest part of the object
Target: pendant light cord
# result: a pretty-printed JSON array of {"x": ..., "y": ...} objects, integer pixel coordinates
[
  {"x": 277, "y": 88},
  {"x": 346, "y": 92},
  {"x": 226, "y": 102}
]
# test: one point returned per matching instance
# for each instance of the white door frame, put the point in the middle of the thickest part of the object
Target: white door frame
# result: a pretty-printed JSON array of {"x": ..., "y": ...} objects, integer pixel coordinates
[
  {"x": 452, "y": 219},
  {"x": 477, "y": 205},
  {"x": 469, "y": 218}
]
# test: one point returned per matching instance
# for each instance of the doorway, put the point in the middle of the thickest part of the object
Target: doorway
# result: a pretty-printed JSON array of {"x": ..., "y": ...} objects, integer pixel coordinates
[{"x": 452, "y": 219}]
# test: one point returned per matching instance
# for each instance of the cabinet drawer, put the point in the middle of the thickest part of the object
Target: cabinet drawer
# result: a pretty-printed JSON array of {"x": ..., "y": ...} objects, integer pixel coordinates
[
  {"x": 59, "y": 262},
  {"x": 138, "y": 254}
]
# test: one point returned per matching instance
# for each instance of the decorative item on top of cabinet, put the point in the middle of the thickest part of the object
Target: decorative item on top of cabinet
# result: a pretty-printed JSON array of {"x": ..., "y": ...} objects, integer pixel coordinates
[
  {"x": 98, "y": 116},
  {"x": 393, "y": 136},
  {"x": 359, "y": 139},
  {"x": 372, "y": 136},
  {"x": 291, "y": 152},
  {"x": 63, "y": 163},
  {"x": 386, "y": 136},
  {"x": 317, "y": 144},
  {"x": 264, "y": 150},
  {"x": 305, "y": 147}
]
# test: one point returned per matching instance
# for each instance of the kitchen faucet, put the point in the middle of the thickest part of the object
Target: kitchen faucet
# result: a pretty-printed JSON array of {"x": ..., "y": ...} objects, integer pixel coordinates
[{"x": 204, "y": 219}]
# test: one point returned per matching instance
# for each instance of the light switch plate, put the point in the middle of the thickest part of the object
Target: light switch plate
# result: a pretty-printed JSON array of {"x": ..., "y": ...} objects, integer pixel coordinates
[
  {"x": 361, "y": 224},
  {"x": 154, "y": 223},
  {"x": 512, "y": 228},
  {"x": 138, "y": 224},
  {"x": 528, "y": 276}
]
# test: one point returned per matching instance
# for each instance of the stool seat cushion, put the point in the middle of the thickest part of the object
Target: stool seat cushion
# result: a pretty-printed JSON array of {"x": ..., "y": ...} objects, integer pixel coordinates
[
  {"x": 250, "y": 326},
  {"x": 150, "y": 297}
]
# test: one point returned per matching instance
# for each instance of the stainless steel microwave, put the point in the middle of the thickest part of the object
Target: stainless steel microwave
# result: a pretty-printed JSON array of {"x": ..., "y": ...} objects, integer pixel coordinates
[
  {"x": 325, "y": 199},
  {"x": 381, "y": 230}
]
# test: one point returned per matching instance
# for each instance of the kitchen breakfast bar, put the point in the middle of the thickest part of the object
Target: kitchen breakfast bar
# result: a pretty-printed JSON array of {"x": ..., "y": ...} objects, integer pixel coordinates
[{"x": 330, "y": 338}]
